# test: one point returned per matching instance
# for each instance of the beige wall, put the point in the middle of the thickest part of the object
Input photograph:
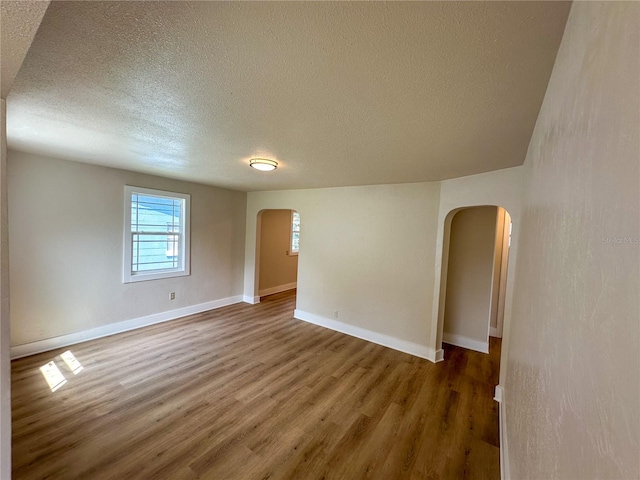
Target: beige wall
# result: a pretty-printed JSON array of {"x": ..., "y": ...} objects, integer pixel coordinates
[
  {"x": 470, "y": 275},
  {"x": 501, "y": 267},
  {"x": 366, "y": 252},
  {"x": 497, "y": 260},
  {"x": 277, "y": 267},
  {"x": 573, "y": 385},
  {"x": 66, "y": 248}
]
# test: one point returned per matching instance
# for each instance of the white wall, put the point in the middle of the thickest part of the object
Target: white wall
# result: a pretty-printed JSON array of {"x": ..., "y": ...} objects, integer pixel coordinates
[
  {"x": 278, "y": 269},
  {"x": 19, "y": 22},
  {"x": 573, "y": 384},
  {"x": 470, "y": 278},
  {"x": 366, "y": 252},
  {"x": 500, "y": 188},
  {"x": 374, "y": 254},
  {"x": 5, "y": 362},
  {"x": 66, "y": 248}
]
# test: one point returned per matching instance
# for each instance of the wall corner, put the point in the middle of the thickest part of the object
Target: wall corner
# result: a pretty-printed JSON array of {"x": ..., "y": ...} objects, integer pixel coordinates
[{"x": 5, "y": 338}]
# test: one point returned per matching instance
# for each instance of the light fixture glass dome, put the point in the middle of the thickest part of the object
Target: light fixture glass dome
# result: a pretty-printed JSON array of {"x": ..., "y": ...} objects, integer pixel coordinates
[{"x": 263, "y": 164}]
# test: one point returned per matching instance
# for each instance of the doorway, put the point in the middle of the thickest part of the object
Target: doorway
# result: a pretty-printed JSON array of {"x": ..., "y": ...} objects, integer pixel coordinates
[
  {"x": 478, "y": 250},
  {"x": 277, "y": 250}
]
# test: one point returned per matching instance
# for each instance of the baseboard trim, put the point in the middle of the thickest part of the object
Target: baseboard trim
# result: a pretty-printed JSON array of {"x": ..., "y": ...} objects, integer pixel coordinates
[
  {"x": 505, "y": 473},
  {"x": 251, "y": 300},
  {"x": 47, "y": 344},
  {"x": 369, "y": 335},
  {"x": 493, "y": 332},
  {"x": 439, "y": 356},
  {"x": 465, "y": 342},
  {"x": 278, "y": 289},
  {"x": 497, "y": 396}
]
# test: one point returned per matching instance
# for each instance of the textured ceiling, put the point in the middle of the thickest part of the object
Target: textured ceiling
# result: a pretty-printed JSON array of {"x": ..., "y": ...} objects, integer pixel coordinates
[
  {"x": 340, "y": 93},
  {"x": 19, "y": 22}
]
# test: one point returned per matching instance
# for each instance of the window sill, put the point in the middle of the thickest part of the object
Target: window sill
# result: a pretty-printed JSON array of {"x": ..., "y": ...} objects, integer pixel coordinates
[{"x": 143, "y": 277}]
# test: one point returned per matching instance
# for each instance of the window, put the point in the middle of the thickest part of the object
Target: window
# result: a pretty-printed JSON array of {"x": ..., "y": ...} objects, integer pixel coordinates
[
  {"x": 156, "y": 234},
  {"x": 295, "y": 232}
]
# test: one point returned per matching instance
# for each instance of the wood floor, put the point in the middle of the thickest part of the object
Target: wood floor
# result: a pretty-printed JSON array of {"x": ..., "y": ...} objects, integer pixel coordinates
[{"x": 247, "y": 392}]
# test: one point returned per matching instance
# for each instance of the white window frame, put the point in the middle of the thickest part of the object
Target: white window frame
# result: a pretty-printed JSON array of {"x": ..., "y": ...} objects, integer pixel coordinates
[
  {"x": 184, "y": 267},
  {"x": 291, "y": 251}
]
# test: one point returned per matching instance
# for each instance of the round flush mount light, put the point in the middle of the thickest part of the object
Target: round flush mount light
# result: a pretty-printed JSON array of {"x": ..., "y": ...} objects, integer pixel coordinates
[{"x": 263, "y": 164}]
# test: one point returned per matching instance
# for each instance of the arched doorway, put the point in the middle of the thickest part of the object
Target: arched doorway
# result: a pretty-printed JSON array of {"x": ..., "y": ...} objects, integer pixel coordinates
[{"x": 474, "y": 270}]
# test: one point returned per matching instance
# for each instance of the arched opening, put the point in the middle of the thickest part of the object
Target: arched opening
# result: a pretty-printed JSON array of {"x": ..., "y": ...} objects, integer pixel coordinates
[
  {"x": 277, "y": 253},
  {"x": 474, "y": 273}
]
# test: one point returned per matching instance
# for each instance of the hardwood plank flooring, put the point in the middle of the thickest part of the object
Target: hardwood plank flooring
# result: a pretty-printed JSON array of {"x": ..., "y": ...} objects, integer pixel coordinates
[{"x": 247, "y": 392}]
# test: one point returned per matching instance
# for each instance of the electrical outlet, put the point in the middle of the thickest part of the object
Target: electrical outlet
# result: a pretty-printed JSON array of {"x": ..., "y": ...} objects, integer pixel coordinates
[
  {"x": 335, "y": 314},
  {"x": 172, "y": 295}
]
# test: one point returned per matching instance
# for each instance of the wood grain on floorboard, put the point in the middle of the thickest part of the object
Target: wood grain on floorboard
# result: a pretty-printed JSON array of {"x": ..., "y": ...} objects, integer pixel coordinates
[{"x": 247, "y": 392}]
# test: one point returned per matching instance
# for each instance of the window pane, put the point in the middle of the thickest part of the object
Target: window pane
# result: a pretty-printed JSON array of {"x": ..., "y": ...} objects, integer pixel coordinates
[
  {"x": 155, "y": 214},
  {"x": 151, "y": 217},
  {"x": 296, "y": 222},
  {"x": 295, "y": 232},
  {"x": 150, "y": 252},
  {"x": 157, "y": 233}
]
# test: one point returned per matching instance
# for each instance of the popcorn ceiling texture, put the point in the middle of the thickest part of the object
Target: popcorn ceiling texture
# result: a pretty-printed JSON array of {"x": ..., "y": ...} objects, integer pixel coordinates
[
  {"x": 19, "y": 20},
  {"x": 341, "y": 93},
  {"x": 573, "y": 382}
]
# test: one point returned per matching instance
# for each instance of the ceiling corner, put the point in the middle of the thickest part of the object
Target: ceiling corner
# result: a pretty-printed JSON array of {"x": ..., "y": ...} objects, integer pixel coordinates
[{"x": 19, "y": 22}]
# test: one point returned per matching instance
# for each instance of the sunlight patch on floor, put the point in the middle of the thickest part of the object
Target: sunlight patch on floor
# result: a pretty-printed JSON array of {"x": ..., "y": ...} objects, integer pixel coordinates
[
  {"x": 72, "y": 362},
  {"x": 52, "y": 374}
]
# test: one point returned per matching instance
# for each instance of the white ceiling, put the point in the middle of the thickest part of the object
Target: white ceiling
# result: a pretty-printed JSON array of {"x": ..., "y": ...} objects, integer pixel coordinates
[
  {"x": 340, "y": 93},
  {"x": 19, "y": 21}
]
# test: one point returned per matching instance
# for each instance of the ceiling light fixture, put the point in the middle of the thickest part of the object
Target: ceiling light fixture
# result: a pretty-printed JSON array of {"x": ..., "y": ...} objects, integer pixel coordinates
[{"x": 263, "y": 164}]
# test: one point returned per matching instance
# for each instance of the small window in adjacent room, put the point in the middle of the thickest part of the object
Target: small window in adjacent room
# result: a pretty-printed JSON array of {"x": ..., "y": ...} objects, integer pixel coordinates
[
  {"x": 156, "y": 234},
  {"x": 295, "y": 232}
]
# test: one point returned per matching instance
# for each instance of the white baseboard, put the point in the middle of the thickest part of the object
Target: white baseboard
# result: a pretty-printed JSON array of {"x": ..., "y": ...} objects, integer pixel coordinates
[
  {"x": 278, "y": 289},
  {"x": 45, "y": 345},
  {"x": 497, "y": 396},
  {"x": 438, "y": 356},
  {"x": 252, "y": 300},
  {"x": 405, "y": 346},
  {"x": 493, "y": 332},
  {"x": 465, "y": 342},
  {"x": 505, "y": 473}
]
